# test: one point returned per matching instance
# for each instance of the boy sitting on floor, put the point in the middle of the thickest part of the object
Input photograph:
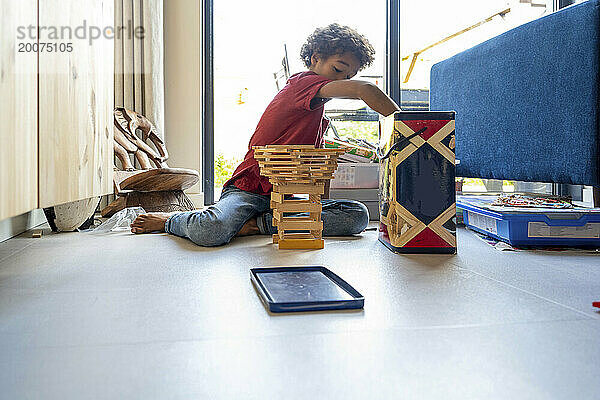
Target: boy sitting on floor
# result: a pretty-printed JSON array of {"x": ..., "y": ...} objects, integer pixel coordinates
[{"x": 333, "y": 55}]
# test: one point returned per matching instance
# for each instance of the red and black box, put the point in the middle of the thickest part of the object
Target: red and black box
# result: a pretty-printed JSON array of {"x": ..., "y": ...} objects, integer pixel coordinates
[{"x": 417, "y": 198}]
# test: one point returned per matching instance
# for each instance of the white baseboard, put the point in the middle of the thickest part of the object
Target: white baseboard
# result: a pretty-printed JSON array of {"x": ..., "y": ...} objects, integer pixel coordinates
[{"x": 14, "y": 226}]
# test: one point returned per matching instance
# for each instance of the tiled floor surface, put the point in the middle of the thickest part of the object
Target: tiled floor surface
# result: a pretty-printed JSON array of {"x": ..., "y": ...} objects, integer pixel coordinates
[{"x": 88, "y": 316}]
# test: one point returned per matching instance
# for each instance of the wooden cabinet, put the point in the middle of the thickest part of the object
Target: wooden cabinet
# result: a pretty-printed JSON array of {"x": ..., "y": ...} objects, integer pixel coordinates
[
  {"x": 18, "y": 112},
  {"x": 56, "y": 121},
  {"x": 76, "y": 102}
]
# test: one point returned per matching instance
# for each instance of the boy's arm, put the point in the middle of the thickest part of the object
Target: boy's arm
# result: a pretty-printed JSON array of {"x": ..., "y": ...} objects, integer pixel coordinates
[{"x": 365, "y": 91}]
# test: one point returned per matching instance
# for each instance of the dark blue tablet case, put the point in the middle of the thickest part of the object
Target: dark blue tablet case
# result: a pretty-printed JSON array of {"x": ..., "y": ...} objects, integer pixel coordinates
[{"x": 311, "y": 288}]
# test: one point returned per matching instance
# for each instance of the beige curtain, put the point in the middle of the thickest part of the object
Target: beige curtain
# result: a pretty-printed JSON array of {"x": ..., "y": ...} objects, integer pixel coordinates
[{"x": 139, "y": 72}]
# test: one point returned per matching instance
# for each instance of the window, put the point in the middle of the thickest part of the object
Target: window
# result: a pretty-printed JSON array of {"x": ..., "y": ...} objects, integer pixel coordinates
[
  {"x": 250, "y": 42},
  {"x": 434, "y": 30}
]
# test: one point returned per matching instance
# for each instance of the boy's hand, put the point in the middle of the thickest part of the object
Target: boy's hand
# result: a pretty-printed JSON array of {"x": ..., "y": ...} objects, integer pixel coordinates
[{"x": 365, "y": 91}]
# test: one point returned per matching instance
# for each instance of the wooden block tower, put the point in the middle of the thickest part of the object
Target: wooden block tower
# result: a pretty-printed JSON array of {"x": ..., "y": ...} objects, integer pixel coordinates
[{"x": 297, "y": 170}]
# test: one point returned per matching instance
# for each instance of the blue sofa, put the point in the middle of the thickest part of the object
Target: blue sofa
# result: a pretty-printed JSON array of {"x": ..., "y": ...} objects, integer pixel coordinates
[{"x": 527, "y": 101}]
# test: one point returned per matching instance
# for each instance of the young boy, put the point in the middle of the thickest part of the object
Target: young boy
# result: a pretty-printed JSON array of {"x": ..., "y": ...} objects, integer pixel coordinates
[{"x": 333, "y": 55}]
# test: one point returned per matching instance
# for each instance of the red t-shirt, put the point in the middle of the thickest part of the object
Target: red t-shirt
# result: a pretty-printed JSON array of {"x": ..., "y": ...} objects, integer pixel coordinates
[{"x": 294, "y": 116}]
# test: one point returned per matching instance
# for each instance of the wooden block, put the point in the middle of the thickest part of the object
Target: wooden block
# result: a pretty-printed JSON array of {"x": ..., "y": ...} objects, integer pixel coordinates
[
  {"x": 37, "y": 234},
  {"x": 322, "y": 165},
  {"x": 322, "y": 176},
  {"x": 300, "y": 206},
  {"x": 291, "y": 178},
  {"x": 279, "y": 216},
  {"x": 276, "y": 170},
  {"x": 317, "y": 234},
  {"x": 295, "y": 244},
  {"x": 276, "y": 196},
  {"x": 285, "y": 172},
  {"x": 316, "y": 159},
  {"x": 300, "y": 189},
  {"x": 321, "y": 173},
  {"x": 300, "y": 225},
  {"x": 300, "y": 236},
  {"x": 275, "y": 156},
  {"x": 279, "y": 182},
  {"x": 318, "y": 165},
  {"x": 296, "y": 218},
  {"x": 279, "y": 162},
  {"x": 312, "y": 159},
  {"x": 286, "y": 175}
]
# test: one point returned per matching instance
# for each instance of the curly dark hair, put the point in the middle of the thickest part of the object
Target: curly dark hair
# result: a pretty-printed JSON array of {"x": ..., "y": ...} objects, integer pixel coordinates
[{"x": 336, "y": 39}]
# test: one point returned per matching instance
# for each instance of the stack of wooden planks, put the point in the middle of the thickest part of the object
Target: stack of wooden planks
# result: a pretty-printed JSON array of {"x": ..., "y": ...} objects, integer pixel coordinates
[{"x": 298, "y": 174}]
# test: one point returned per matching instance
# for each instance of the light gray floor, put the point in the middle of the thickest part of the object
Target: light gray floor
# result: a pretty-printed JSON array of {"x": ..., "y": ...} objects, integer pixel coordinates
[{"x": 155, "y": 317}]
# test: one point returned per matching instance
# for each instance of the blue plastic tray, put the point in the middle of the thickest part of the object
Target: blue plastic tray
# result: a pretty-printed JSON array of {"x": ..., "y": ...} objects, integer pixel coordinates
[
  {"x": 312, "y": 288},
  {"x": 576, "y": 227}
]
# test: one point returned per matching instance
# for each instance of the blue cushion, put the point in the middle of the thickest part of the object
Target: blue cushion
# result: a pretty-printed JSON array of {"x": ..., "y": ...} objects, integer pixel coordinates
[{"x": 527, "y": 101}]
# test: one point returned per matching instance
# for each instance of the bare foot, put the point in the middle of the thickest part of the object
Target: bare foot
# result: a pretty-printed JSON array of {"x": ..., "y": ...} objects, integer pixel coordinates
[
  {"x": 153, "y": 222},
  {"x": 249, "y": 228}
]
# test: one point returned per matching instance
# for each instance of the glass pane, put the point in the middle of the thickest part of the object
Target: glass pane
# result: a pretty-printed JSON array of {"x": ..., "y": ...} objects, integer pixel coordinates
[
  {"x": 249, "y": 40},
  {"x": 434, "y": 30}
]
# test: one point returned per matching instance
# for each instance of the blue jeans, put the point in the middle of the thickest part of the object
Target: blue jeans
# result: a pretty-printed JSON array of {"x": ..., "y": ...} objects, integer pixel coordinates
[{"x": 219, "y": 223}]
